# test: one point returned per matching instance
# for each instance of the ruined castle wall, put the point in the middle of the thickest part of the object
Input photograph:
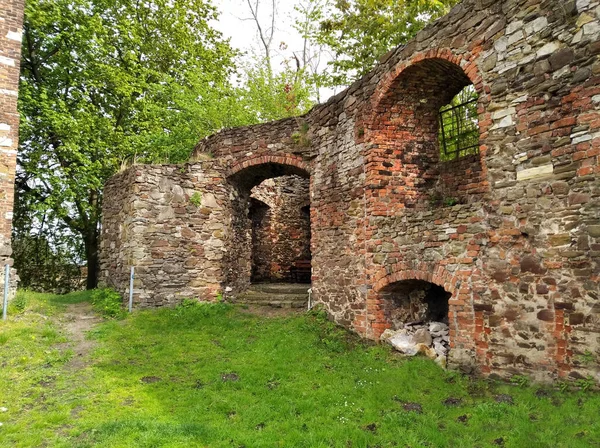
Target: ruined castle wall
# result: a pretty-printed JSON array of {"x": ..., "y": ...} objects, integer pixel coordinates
[
  {"x": 520, "y": 257},
  {"x": 517, "y": 249},
  {"x": 171, "y": 223},
  {"x": 11, "y": 28}
]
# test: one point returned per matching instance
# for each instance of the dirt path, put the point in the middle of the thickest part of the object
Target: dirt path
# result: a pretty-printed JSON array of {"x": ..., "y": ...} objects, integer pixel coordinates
[{"x": 77, "y": 321}]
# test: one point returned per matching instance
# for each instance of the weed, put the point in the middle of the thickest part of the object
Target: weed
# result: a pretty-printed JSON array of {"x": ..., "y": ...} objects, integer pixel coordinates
[
  {"x": 108, "y": 302},
  {"x": 450, "y": 201},
  {"x": 585, "y": 384},
  {"x": 196, "y": 199},
  {"x": 587, "y": 357},
  {"x": 520, "y": 380},
  {"x": 19, "y": 303},
  {"x": 300, "y": 137}
]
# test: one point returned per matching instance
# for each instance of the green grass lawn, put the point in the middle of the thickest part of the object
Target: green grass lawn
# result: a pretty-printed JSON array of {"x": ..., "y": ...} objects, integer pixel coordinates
[{"x": 216, "y": 376}]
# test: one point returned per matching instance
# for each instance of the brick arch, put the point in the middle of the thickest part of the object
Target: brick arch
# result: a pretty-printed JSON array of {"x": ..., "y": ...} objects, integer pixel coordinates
[
  {"x": 402, "y": 139},
  {"x": 438, "y": 276},
  {"x": 465, "y": 63},
  {"x": 279, "y": 159}
]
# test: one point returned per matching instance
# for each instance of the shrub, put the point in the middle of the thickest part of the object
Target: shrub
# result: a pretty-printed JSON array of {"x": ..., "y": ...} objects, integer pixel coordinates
[{"x": 108, "y": 302}]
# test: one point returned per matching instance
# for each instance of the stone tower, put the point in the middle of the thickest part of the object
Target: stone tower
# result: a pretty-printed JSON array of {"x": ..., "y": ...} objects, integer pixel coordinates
[{"x": 11, "y": 27}]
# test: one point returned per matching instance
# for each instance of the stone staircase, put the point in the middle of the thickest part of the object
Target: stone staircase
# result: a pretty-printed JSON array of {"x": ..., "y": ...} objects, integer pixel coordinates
[{"x": 278, "y": 295}]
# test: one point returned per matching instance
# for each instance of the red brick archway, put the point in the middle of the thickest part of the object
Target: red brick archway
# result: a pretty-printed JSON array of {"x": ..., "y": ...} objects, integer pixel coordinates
[
  {"x": 255, "y": 160},
  {"x": 463, "y": 318},
  {"x": 466, "y": 63}
]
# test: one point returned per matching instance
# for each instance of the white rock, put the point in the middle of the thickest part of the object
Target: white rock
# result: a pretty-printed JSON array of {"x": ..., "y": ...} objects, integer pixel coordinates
[
  {"x": 404, "y": 343},
  {"x": 387, "y": 334},
  {"x": 422, "y": 336},
  {"x": 435, "y": 327},
  {"x": 547, "y": 49},
  {"x": 440, "y": 349},
  {"x": 592, "y": 28}
]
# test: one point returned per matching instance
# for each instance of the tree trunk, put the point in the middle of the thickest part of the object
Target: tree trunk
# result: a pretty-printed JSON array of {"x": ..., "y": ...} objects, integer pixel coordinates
[{"x": 91, "y": 256}]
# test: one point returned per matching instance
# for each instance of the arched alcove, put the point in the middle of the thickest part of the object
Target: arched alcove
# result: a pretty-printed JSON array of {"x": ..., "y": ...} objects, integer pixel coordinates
[
  {"x": 404, "y": 162},
  {"x": 413, "y": 301}
]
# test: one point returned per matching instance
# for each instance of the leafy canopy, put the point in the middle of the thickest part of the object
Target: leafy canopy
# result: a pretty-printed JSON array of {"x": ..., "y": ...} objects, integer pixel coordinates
[
  {"x": 359, "y": 32},
  {"x": 105, "y": 82}
]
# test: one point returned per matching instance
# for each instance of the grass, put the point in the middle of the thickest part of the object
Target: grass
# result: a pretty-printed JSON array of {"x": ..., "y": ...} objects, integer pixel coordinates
[{"x": 215, "y": 376}]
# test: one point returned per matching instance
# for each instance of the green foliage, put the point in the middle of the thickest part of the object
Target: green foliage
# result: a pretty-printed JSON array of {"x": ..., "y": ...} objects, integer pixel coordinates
[
  {"x": 19, "y": 303},
  {"x": 360, "y": 32},
  {"x": 586, "y": 384},
  {"x": 439, "y": 198},
  {"x": 46, "y": 261},
  {"x": 196, "y": 198},
  {"x": 520, "y": 380},
  {"x": 108, "y": 81},
  {"x": 587, "y": 357},
  {"x": 459, "y": 128},
  {"x": 108, "y": 302},
  {"x": 266, "y": 96}
]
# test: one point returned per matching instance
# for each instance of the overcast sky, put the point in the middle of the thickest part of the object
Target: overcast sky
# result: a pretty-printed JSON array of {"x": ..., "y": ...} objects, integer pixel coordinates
[{"x": 236, "y": 22}]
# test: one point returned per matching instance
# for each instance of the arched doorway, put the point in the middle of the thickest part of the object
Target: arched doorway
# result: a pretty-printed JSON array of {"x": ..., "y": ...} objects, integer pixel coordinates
[{"x": 271, "y": 232}]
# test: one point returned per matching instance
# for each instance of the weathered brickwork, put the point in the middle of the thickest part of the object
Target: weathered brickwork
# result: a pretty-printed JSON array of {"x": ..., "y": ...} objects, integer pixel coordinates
[
  {"x": 280, "y": 226},
  {"x": 511, "y": 235},
  {"x": 11, "y": 27}
]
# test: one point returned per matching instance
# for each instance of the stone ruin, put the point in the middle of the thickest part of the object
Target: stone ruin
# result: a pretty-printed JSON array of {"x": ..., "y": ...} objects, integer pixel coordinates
[{"x": 501, "y": 243}]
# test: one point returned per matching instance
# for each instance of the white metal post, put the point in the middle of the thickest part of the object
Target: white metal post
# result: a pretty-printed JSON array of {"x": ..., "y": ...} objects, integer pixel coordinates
[
  {"x": 131, "y": 289},
  {"x": 6, "y": 286}
]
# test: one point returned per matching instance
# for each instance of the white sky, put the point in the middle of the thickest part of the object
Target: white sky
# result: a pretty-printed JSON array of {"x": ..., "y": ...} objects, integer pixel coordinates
[{"x": 236, "y": 23}]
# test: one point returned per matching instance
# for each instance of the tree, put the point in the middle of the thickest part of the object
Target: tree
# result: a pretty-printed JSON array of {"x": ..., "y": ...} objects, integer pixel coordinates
[
  {"x": 359, "y": 32},
  {"x": 269, "y": 94},
  {"x": 104, "y": 82}
]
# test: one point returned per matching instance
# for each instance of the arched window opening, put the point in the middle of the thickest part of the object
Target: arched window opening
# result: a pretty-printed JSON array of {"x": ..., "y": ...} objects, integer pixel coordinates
[{"x": 459, "y": 126}]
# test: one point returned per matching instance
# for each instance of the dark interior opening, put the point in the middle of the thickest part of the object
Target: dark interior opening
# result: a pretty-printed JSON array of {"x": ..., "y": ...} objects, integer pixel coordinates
[
  {"x": 415, "y": 301},
  {"x": 271, "y": 223}
]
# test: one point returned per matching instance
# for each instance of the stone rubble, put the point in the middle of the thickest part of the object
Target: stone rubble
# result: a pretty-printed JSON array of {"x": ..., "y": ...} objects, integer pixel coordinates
[{"x": 428, "y": 338}]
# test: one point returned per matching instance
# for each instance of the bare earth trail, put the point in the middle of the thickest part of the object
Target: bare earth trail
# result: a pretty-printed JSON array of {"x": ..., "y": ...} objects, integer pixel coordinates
[{"x": 77, "y": 321}]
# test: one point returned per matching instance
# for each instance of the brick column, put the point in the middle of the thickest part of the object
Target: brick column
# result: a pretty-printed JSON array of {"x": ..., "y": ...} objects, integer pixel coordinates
[{"x": 11, "y": 25}]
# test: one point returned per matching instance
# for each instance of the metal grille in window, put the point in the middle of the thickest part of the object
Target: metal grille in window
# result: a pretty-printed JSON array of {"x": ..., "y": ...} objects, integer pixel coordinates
[{"x": 459, "y": 130}]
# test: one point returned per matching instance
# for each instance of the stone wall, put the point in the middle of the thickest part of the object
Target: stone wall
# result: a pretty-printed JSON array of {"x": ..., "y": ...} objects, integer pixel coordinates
[
  {"x": 171, "y": 223},
  {"x": 517, "y": 248},
  {"x": 11, "y": 29}
]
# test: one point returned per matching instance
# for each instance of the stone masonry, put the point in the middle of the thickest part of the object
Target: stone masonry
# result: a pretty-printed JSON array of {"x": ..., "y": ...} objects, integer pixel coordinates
[
  {"x": 11, "y": 28},
  {"x": 514, "y": 254},
  {"x": 281, "y": 231}
]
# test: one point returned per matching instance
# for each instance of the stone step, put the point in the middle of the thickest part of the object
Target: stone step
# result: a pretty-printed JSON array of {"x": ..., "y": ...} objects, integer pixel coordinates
[
  {"x": 278, "y": 295},
  {"x": 281, "y": 288}
]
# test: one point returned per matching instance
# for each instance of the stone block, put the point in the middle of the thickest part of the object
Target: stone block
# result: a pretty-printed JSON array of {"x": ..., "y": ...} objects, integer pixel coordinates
[{"x": 535, "y": 172}]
